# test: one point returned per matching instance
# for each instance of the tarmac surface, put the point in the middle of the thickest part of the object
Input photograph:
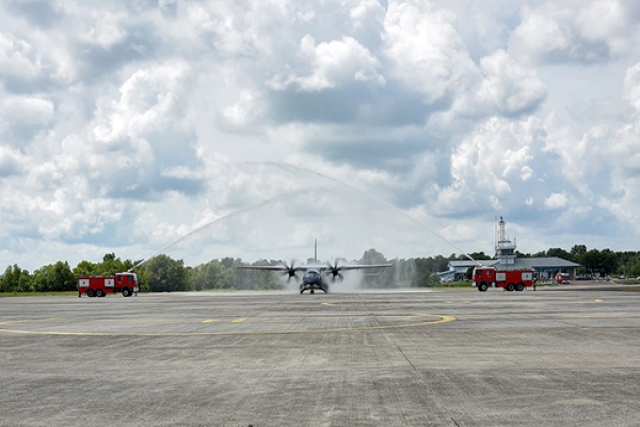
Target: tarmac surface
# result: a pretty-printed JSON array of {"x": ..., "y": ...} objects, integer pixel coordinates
[{"x": 442, "y": 358}]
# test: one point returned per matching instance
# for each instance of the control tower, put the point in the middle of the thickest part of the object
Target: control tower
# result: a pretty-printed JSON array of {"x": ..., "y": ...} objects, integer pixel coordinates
[{"x": 505, "y": 248}]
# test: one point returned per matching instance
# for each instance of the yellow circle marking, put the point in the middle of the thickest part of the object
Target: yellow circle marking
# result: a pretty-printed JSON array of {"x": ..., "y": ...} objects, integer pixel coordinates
[
  {"x": 579, "y": 402},
  {"x": 595, "y": 301},
  {"x": 440, "y": 319}
]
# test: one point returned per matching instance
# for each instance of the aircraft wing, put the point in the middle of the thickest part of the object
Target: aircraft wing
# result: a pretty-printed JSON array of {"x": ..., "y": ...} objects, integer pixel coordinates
[
  {"x": 320, "y": 267},
  {"x": 268, "y": 267},
  {"x": 289, "y": 270},
  {"x": 336, "y": 269},
  {"x": 360, "y": 266}
]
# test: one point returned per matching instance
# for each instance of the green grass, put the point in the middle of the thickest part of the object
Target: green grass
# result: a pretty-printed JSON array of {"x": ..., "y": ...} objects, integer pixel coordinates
[
  {"x": 628, "y": 281},
  {"x": 37, "y": 294}
]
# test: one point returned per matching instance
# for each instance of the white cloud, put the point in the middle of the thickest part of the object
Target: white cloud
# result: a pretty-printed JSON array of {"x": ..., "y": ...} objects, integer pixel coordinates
[
  {"x": 496, "y": 167},
  {"x": 336, "y": 63},
  {"x": 17, "y": 57},
  {"x": 105, "y": 29},
  {"x": 364, "y": 12},
  {"x": 25, "y": 111},
  {"x": 11, "y": 161},
  {"x": 592, "y": 31},
  {"x": 632, "y": 86},
  {"x": 509, "y": 87},
  {"x": 146, "y": 100},
  {"x": 425, "y": 50},
  {"x": 556, "y": 201},
  {"x": 244, "y": 112},
  {"x": 124, "y": 126}
]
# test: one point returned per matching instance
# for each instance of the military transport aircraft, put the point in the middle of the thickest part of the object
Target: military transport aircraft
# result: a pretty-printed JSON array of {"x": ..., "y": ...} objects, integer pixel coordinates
[{"x": 314, "y": 275}]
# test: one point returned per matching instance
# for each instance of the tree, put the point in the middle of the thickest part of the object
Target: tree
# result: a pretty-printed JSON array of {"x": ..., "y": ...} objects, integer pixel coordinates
[
  {"x": 15, "y": 279},
  {"x": 372, "y": 256},
  {"x": 609, "y": 261},
  {"x": 370, "y": 279},
  {"x": 164, "y": 274},
  {"x": 111, "y": 265},
  {"x": 578, "y": 250},
  {"x": 85, "y": 268},
  {"x": 427, "y": 269},
  {"x": 602, "y": 262},
  {"x": 560, "y": 253},
  {"x": 229, "y": 278},
  {"x": 476, "y": 256},
  {"x": 628, "y": 263},
  {"x": 207, "y": 276},
  {"x": 54, "y": 278},
  {"x": 227, "y": 262},
  {"x": 251, "y": 279}
]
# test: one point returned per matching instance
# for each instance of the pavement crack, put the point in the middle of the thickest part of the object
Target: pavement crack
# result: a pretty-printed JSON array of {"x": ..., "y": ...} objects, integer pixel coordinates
[{"x": 405, "y": 357}]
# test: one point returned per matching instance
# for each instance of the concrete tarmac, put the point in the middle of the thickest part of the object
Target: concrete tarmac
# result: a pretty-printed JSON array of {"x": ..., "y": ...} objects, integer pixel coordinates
[{"x": 442, "y": 358}]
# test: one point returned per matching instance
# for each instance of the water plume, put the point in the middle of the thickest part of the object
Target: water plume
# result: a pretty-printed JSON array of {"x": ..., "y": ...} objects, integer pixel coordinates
[
  {"x": 352, "y": 282},
  {"x": 233, "y": 214},
  {"x": 290, "y": 167}
]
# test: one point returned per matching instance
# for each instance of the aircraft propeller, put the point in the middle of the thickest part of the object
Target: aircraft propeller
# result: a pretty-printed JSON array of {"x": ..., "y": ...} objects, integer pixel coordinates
[
  {"x": 291, "y": 270},
  {"x": 334, "y": 270}
]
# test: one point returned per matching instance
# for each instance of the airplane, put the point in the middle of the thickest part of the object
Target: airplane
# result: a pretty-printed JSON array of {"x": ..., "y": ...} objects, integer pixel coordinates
[{"x": 313, "y": 278}]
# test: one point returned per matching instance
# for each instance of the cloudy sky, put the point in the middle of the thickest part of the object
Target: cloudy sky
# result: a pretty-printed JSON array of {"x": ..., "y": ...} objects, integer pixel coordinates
[{"x": 254, "y": 127}]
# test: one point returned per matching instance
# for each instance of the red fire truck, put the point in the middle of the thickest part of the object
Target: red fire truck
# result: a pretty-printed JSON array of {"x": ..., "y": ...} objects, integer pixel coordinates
[
  {"x": 511, "y": 280},
  {"x": 100, "y": 286}
]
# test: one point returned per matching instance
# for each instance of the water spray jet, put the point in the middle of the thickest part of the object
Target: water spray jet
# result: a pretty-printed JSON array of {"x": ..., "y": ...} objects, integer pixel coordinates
[
  {"x": 248, "y": 209},
  {"x": 290, "y": 167}
]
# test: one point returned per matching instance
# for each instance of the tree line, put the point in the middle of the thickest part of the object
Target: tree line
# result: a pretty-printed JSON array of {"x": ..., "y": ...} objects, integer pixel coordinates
[
  {"x": 165, "y": 274},
  {"x": 596, "y": 262}
]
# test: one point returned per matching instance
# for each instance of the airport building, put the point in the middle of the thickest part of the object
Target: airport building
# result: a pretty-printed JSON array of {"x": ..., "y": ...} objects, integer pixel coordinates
[{"x": 505, "y": 257}]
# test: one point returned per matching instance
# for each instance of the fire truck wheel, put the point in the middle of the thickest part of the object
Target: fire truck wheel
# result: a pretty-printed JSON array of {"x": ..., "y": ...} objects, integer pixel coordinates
[
  {"x": 482, "y": 287},
  {"x": 511, "y": 287},
  {"x": 99, "y": 293},
  {"x": 90, "y": 293},
  {"x": 126, "y": 292},
  {"x": 520, "y": 287}
]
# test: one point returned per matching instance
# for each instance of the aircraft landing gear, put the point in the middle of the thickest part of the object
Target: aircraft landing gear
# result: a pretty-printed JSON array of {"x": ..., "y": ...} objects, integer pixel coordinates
[{"x": 311, "y": 292}]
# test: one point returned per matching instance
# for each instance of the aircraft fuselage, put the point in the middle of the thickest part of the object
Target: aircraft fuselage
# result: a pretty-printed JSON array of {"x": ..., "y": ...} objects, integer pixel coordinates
[{"x": 312, "y": 281}]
